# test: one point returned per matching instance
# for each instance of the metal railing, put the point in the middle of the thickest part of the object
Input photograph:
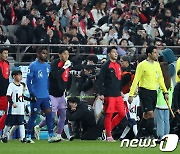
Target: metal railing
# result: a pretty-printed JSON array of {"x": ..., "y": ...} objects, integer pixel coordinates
[{"x": 17, "y": 51}]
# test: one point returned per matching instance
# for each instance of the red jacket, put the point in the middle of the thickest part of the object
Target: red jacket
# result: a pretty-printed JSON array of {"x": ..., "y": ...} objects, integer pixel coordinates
[{"x": 4, "y": 77}]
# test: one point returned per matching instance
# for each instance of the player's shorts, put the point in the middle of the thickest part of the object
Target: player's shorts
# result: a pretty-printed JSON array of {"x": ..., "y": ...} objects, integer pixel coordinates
[
  {"x": 114, "y": 104},
  {"x": 58, "y": 103},
  {"x": 41, "y": 103},
  {"x": 131, "y": 121},
  {"x": 14, "y": 120},
  {"x": 148, "y": 99},
  {"x": 3, "y": 103}
]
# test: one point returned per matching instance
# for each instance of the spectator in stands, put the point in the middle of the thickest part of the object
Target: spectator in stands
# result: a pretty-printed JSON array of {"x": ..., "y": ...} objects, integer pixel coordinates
[
  {"x": 64, "y": 14},
  {"x": 3, "y": 37},
  {"x": 99, "y": 11},
  {"x": 73, "y": 31},
  {"x": 24, "y": 33},
  {"x": 40, "y": 30}
]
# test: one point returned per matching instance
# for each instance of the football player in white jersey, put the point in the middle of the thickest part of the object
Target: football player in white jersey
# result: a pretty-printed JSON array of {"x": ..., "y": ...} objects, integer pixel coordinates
[
  {"x": 16, "y": 109},
  {"x": 131, "y": 115}
]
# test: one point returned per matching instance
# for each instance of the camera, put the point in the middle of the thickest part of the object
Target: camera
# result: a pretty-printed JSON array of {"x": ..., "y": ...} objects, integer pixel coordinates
[{"x": 97, "y": 35}]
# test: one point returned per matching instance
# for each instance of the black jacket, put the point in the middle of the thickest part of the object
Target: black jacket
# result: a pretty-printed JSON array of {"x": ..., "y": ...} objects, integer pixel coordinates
[
  {"x": 107, "y": 83},
  {"x": 83, "y": 114},
  {"x": 57, "y": 84}
]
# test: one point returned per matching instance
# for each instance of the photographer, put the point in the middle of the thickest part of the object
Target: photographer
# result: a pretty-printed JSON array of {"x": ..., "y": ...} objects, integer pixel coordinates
[
  {"x": 91, "y": 49},
  {"x": 82, "y": 113},
  {"x": 86, "y": 84}
]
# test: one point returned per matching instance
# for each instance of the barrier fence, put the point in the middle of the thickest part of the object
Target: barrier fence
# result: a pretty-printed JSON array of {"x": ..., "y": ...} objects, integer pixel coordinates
[{"x": 19, "y": 51}]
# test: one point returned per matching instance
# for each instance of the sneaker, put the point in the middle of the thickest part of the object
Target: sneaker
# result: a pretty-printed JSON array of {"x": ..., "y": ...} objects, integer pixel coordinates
[
  {"x": 59, "y": 137},
  {"x": 4, "y": 140},
  {"x": 110, "y": 139},
  {"x": 29, "y": 141},
  {"x": 54, "y": 139},
  {"x": 120, "y": 139},
  {"x": 37, "y": 132},
  {"x": 23, "y": 140},
  {"x": 71, "y": 138},
  {"x": 9, "y": 136}
]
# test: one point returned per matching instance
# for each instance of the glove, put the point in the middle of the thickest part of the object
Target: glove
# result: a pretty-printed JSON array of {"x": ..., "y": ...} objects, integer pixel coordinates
[
  {"x": 67, "y": 64},
  {"x": 33, "y": 98}
]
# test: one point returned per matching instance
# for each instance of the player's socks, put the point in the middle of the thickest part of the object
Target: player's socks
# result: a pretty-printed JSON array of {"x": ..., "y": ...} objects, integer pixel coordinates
[
  {"x": 61, "y": 120},
  {"x": 66, "y": 131},
  {"x": 126, "y": 130},
  {"x": 31, "y": 123},
  {"x": 5, "y": 131},
  {"x": 42, "y": 123},
  {"x": 142, "y": 127},
  {"x": 107, "y": 124},
  {"x": 150, "y": 127},
  {"x": 135, "y": 130},
  {"x": 49, "y": 122},
  {"x": 22, "y": 131},
  {"x": 12, "y": 130}
]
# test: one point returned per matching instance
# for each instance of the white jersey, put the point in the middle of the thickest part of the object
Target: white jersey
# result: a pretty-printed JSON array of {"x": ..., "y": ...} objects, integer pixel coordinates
[
  {"x": 133, "y": 106},
  {"x": 16, "y": 92}
]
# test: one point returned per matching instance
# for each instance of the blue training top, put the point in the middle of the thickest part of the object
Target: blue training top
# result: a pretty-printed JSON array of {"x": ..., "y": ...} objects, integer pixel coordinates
[{"x": 37, "y": 79}]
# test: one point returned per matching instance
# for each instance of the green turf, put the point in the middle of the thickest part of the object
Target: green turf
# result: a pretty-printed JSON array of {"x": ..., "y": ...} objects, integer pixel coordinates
[{"x": 75, "y": 147}]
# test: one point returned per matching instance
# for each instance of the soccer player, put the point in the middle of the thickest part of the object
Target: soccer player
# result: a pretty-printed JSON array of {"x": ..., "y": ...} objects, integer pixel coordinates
[
  {"x": 109, "y": 89},
  {"x": 149, "y": 76},
  {"x": 15, "y": 115},
  {"x": 38, "y": 85},
  {"x": 27, "y": 111},
  {"x": 58, "y": 78},
  {"x": 4, "y": 82}
]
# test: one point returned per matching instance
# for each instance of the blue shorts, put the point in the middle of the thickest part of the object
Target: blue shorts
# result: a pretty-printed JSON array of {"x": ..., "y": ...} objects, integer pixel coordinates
[
  {"x": 12, "y": 120},
  {"x": 41, "y": 103}
]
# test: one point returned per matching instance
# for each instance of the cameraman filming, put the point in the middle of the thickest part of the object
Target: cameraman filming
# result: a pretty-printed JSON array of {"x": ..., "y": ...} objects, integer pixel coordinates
[{"x": 86, "y": 84}]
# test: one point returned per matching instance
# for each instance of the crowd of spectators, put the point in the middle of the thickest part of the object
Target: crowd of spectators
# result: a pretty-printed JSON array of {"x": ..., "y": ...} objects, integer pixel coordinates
[{"x": 103, "y": 22}]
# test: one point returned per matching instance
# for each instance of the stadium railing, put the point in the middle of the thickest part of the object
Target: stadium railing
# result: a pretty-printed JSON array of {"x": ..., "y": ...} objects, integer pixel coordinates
[{"x": 17, "y": 51}]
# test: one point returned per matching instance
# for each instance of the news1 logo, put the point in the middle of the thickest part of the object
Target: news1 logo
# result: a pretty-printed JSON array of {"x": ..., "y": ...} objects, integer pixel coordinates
[{"x": 168, "y": 143}]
